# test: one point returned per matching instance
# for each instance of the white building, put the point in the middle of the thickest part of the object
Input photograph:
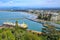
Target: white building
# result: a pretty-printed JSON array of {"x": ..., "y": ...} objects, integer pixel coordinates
[{"x": 55, "y": 16}]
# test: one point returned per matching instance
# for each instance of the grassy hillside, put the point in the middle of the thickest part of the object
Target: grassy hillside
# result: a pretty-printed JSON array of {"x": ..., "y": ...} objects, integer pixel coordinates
[{"x": 17, "y": 34}]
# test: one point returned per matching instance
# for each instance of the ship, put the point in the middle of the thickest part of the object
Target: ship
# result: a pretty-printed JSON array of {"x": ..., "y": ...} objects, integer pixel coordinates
[{"x": 10, "y": 24}]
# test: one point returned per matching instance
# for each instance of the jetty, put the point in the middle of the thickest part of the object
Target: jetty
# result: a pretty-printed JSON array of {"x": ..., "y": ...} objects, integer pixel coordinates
[{"x": 37, "y": 20}]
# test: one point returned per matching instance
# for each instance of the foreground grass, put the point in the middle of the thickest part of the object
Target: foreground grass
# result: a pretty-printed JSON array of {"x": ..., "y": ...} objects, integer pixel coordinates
[{"x": 18, "y": 34}]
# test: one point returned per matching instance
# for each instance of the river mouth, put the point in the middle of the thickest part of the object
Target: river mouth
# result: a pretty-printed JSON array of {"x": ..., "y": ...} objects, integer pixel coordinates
[{"x": 31, "y": 25}]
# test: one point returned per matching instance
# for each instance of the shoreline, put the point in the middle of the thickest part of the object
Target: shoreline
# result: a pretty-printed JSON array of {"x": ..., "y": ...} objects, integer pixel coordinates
[
  {"x": 33, "y": 31},
  {"x": 28, "y": 30}
]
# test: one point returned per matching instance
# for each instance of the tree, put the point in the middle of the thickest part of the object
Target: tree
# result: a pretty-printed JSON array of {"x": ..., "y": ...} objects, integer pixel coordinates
[
  {"x": 16, "y": 25},
  {"x": 49, "y": 17},
  {"x": 39, "y": 16}
]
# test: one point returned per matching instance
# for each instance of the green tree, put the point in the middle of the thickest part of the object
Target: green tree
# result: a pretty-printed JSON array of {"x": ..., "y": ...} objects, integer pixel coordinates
[
  {"x": 16, "y": 25},
  {"x": 49, "y": 17}
]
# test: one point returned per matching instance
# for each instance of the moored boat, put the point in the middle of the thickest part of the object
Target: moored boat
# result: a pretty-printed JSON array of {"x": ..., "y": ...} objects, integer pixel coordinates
[{"x": 10, "y": 24}]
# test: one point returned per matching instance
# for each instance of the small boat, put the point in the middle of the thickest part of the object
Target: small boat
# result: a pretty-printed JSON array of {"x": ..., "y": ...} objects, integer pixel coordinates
[{"x": 23, "y": 25}]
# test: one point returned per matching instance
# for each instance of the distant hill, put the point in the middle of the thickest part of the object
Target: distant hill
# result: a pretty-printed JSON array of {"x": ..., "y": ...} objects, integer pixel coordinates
[{"x": 26, "y": 8}]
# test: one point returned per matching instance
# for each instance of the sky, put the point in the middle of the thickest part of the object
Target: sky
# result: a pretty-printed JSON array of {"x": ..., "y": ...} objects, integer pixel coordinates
[{"x": 30, "y": 3}]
